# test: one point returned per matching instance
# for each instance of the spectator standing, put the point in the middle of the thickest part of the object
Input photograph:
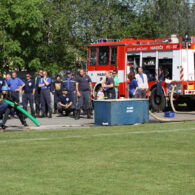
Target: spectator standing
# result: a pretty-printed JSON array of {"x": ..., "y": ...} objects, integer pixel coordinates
[
  {"x": 84, "y": 92},
  {"x": 2, "y": 82},
  {"x": 116, "y": 83},
  {"x": 108, "y": 86},
  {"x": 45, "y": 84},
  {"x": 70, "y": 85},
  {"x": 133, "y": 86},
  {"x": 7, "y": 77},
  {"x": 57, "y": 91},
  {"x": 65, "y": 102},
  {"x": 38, "y": 93},
  {"x": 142, "y": 82},
  {"x": 15, "y": 84},
  {"x": 28, "y": 94}
]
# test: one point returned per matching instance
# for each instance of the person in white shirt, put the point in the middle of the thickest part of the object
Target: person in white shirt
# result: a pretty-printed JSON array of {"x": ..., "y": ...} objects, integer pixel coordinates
[
  {"x": 142, "y": 82},
  {"x": 100, "y": 94}
]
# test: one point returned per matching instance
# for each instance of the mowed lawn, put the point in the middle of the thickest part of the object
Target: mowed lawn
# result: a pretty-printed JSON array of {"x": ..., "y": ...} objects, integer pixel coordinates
[{"x": 142, "y": 159}]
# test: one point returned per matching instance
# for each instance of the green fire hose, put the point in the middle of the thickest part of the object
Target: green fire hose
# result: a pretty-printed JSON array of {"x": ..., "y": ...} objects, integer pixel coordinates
[{"x": 34, "y": 120}]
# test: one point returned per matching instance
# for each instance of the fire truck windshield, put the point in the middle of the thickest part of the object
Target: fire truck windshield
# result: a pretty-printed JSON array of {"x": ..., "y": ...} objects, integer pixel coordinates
[
  {"x": 103, "y": 58},
  {"x": 113, "y": 56},
  {"x": 93, "y": 56}
]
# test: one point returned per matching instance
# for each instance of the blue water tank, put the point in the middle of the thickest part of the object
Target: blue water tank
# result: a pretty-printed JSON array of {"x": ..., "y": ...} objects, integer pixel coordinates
[{"x": 121, "y": 112}]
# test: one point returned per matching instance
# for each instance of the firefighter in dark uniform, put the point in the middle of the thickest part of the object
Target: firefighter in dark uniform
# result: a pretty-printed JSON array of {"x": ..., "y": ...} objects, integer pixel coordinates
[
  {"x": 84, "y": 92},
  {"x": 65, "y": 103},
  {"x": 70, "y": 85},
  {"x": 38, "y": 93},
  {"x": 6, "y": 94},
  {"x": 45, "y": 84},
  {"x": 56, "y": 87},
  {"x": 28, "y": 94}
]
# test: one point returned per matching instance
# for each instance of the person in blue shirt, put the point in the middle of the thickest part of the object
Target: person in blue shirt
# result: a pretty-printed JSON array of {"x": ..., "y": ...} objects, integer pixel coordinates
[
  {"x": 133, "y": 86},
  {"x": 65, "y": 102},
  {"x": 45, "y": 85},
  {"x": 15, "y": 84},
  {"x": 70, "y": 85},
  {"x": 28, "y": 93},
  {"x": 2, "y": 82},
  {"x": 7, "y": 78}
]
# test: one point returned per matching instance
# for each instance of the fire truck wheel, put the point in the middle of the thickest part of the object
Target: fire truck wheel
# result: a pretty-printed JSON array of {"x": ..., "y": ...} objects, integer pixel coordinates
[{"x": 157, "y": 103}]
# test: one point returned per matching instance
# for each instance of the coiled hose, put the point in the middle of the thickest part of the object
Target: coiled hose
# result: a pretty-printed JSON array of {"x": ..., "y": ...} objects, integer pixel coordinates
[{"x": 172, "y": 106}]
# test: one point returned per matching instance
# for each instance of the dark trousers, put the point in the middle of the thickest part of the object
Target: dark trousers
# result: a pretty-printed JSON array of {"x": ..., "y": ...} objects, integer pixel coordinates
[
  {"x": 8, "y": 111},
  {"x": 28, "y": 98},
  {"x": 74, "y": 99},
  {"x": 141, "y": 93},
  {"x": 56, "y": 98},
  {"x": 45, "y": 100},
  {"x": 3, "y": 107},
  {"x": 61, "y": 109},
  {"x": 84, "y": 101},
  {"x": 37, "y": 102},
  {"x": 16, "y": 96},
  {"x": 110, "y": 95}
]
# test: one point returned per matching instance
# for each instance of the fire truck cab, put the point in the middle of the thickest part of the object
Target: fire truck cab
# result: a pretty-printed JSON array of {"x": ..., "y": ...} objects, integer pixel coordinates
[{"x": 167, "y": 62}]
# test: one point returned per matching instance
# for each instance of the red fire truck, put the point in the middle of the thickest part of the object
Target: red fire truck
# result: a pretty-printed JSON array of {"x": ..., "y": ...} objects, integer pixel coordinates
[{"x": 173, "y": 56}]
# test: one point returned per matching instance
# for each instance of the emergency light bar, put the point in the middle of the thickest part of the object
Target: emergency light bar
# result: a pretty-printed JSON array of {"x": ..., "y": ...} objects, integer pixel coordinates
[{"x": 108, "y": 40}]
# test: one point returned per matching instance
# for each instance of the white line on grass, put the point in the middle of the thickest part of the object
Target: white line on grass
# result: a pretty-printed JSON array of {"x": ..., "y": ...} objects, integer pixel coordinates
[{"x": 95, "y": 135}]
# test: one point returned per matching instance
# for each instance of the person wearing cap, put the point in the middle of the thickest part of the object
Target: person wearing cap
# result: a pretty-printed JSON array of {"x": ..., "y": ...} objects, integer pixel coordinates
[
  {"x": 84, "y": 90},
  {"x": 6, "y": 94},
  {"x": 56, "y": 87},
  {"x": 45, "y": 84},
  {"x": 70, "y": 85},
  {"x": 15, "y": 84},
  {"x": 28, "y": 92},
  {"x": 64, "y": 102}
]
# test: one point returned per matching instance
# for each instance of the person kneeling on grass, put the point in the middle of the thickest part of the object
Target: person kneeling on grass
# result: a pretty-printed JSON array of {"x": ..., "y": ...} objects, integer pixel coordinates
[
  {"x": 65, "y": 103},
  {"x": 6, "y": 94}
]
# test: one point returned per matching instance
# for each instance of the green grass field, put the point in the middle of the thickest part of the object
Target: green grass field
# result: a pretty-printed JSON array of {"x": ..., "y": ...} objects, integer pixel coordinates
[{"x": 142, "y": 159}]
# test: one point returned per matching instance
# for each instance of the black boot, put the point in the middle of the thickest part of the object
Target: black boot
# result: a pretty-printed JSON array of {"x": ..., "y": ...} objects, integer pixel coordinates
[
  {"x": 89, "y": 114},
  {"x": 50, "y": 115},
  {"x": 43, "y": 115},
  {"x": 77, "y": 115},
  {"x": 37, "y": 113},
  {"x": 74, "y": 113},
  {"x": 33, "y": 114},
  {"x": 24, "y": 123}
]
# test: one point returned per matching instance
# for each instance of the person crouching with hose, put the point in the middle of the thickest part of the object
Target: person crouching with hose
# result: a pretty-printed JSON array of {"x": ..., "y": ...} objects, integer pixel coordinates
[
  {"x": 6, "y": 94},
  {"x": 3, "y": 107}
]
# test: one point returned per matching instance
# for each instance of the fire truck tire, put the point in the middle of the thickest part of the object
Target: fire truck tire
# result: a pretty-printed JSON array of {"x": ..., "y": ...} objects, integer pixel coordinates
[{"x": 157, "y": 103}]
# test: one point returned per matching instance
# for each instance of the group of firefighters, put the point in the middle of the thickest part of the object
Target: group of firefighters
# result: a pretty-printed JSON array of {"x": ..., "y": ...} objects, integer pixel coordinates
[{"x": 70, "y": 95}]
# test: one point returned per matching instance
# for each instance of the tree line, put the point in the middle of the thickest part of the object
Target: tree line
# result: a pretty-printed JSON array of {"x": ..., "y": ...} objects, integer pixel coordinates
[{"x": 54, "y": 34}]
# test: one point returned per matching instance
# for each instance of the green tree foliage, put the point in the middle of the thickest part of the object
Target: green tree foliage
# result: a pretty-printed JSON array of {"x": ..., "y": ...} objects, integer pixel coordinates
[
  {"x": 20, "y": 33},
  {"x": 54, "y": 34}
]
